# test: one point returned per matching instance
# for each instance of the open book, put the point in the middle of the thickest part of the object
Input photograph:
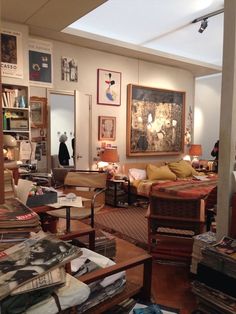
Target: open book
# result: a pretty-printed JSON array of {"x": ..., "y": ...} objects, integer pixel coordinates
[{"x": 28, "y": 260}]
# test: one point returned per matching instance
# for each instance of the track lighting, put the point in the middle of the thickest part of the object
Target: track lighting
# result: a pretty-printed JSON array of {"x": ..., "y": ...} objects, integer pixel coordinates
[
  {"x": 204, "y": 19},
  {"x": 203, "y": 26}
]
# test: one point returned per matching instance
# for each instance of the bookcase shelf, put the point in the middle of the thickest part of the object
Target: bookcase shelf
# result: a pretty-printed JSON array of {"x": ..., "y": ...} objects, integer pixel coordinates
[{"x": 16, "y": 112}]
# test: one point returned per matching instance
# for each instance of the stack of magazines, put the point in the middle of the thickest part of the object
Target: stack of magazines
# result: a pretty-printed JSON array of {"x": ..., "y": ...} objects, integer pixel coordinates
[
  {"x": 200, "y": 242},
  {"x": 216, "y": 278},
  {"x": 17, "y": 221},
  {"x": 34, "y": 264}
]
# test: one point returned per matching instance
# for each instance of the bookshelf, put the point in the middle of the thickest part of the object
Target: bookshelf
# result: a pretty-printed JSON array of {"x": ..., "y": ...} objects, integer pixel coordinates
[{"x": 15, "y": 111}]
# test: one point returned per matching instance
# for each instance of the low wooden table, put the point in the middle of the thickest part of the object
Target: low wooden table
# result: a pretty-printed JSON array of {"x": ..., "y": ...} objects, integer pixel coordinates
[{"x": 84, "y": 229}]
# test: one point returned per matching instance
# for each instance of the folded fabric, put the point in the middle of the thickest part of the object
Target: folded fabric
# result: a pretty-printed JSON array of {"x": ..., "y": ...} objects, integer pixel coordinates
[
  {"x": 74, "y": 292},
  {"x": 151, "y": 309}
]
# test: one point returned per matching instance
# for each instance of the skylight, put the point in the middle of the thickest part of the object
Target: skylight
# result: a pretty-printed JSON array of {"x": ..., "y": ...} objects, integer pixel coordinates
[{"x": 160, "y": 25}]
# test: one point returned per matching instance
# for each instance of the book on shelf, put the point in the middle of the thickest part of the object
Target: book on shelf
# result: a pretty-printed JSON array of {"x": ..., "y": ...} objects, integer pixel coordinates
[
  {"x": 10, "y": 97},
  {"x": 32, "y": 258}
]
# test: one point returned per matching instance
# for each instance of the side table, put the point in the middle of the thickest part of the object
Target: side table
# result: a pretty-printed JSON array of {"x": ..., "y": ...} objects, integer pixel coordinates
[{"x": 118, "y": 193}]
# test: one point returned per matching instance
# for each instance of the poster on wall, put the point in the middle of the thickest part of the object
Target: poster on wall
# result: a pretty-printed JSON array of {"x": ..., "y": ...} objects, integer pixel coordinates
[
  {"x": 40, "y": 63},
  {"x": 69, "y": 69},
  {"x": 11, "y": 53}
]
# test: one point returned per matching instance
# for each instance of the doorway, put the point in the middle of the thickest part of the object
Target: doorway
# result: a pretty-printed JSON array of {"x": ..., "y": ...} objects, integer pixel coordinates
[{"x": 70, "y": 115}]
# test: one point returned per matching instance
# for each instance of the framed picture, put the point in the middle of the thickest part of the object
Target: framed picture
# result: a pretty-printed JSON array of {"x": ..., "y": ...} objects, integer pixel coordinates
[
  {"x": 106, "y": 128},
  {"x": 38, "y": 111},
  {"x": 108, "y": 87},
  {"x": 155, "y": 121}
]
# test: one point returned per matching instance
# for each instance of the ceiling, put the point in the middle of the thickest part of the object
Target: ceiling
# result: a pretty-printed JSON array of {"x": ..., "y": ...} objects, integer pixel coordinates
[{"x": 152, "y": 30}]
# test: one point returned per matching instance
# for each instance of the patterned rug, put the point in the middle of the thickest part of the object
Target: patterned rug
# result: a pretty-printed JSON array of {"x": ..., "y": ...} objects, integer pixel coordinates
[{"x": 127, "y": 223}]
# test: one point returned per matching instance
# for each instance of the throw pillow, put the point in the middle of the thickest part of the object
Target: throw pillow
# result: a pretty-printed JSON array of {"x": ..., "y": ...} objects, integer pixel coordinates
[
  {"x": 160, "y": 173},
  {"x": 137, "y": 174},
  {"x": 182, "y": 169}
]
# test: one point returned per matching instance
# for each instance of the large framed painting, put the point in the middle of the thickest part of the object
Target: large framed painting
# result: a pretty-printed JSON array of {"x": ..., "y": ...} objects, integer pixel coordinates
[
  {"x": 155, "y": 121},
  {"x": 108, "y": 87}
]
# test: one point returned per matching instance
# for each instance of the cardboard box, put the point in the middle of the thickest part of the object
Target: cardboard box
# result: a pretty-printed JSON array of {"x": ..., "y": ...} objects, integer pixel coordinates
[{"x": 48, "y": 197}]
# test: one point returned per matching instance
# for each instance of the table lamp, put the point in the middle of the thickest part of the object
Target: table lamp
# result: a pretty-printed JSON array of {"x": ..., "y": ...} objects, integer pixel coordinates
[
  {"x": 9, "y": 143},
  {"x": 195, "y": 151},
  {"x": 110, "y": 155}
]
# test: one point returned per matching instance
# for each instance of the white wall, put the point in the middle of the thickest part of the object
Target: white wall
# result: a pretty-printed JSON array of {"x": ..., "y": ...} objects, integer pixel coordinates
[
  {"x": 207, "y": 112},
  {"x": 133, "y": 71}
]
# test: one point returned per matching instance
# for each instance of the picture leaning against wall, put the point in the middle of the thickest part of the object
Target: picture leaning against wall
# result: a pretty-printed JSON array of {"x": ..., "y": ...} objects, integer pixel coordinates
[
  {"x": 11, "y": 53},
  {"x": 155, "y": 121}
]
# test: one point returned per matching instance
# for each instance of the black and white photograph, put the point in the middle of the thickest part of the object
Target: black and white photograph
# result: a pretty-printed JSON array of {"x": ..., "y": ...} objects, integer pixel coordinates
[
  {"x": 11, "y": 53},
  {"x": 69, "y": 69},
  {"x": 31, "y": 258}
]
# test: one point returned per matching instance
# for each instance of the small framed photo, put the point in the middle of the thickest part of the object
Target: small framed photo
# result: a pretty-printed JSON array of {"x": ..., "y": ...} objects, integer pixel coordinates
[
  {"x": 108, "y": 87},
  {"x": 106, "y": 128},
  {"x": 38, "y": 111}
]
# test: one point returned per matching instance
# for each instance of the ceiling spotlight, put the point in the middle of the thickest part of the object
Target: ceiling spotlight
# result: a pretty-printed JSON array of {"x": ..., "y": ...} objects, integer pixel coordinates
[{"x": 203, "y": 26}]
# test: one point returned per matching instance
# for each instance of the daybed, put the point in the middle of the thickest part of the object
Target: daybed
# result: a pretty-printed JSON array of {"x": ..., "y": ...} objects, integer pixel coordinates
[{"x": 143, "y": 176}]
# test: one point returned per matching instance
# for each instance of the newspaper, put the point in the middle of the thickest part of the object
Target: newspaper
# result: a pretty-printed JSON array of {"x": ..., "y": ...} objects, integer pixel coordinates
[
  {"x": 51, "y": 278},
  {"x": 28, "y": 260}
]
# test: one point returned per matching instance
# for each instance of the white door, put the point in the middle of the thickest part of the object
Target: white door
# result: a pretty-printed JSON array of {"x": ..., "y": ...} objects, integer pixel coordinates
[{"x": 83, "y": 116}]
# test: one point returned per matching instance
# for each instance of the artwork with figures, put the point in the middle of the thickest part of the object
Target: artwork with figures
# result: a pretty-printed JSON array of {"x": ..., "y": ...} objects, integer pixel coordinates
[
  {"x": 106, "y": 128},
  {"x": 155, "y": 122},
  {"x": 69, "y": 69}
]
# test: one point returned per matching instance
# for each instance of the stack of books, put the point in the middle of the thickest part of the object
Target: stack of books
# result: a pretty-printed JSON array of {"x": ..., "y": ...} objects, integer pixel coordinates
[
  {"x": 200, "y": 242},
  {"x": 17, "y": 221},
  {"x": 105, "y": 243},
  {"x": 216, "y": 278}
]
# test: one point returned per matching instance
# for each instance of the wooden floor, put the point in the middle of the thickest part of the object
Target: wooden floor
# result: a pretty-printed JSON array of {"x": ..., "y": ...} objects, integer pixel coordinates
[{"x": 170, "y": 283}]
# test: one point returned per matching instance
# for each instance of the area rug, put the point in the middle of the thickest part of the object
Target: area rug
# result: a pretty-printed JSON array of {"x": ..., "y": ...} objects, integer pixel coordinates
[{"x": 127, "y": 223}]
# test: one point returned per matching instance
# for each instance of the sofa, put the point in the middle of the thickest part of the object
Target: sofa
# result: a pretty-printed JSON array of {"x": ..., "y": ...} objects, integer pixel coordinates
[{"x": 143, "y": 176}]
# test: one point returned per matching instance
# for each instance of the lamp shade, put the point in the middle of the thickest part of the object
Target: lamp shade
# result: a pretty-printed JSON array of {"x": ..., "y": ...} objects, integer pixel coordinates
[
  {"x": 9, "y": 141},
  {"x": 195, "y": 150},
  {"x": 109, "y": 155}
]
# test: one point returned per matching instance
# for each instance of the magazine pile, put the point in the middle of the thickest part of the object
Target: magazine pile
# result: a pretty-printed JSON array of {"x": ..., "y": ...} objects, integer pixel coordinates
[
  {"x": 216, "y": 277},
  {"x": 17, "y": 221},
  {"x": 34, "y": 264}
]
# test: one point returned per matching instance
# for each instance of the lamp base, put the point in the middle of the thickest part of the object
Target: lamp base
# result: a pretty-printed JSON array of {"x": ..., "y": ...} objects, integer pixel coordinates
[{"x": 195, "y": 162}]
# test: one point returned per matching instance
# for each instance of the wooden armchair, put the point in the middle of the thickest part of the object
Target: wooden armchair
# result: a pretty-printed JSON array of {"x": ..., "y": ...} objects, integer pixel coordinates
[
  {"x": 172, "y": 223},
  {"x": 90, "y": 185}
]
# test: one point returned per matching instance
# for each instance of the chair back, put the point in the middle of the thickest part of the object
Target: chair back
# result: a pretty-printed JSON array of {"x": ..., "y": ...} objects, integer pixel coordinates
[{"x": 89, "y": 179}]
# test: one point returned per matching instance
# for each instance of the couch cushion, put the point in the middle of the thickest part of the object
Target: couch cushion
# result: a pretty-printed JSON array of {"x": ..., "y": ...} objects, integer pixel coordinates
[
  {"x": 182, "y": 169},
  {"x": 137, "y": 174},
  {"x": 160, "y": 173}
]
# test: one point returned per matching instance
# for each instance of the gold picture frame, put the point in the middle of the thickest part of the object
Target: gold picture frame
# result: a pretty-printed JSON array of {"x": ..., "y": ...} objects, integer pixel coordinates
[
  {"x": 106, "y": 128},
  {"x": 38, "y": 112},
  {"x": 155, "y": 121}
]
